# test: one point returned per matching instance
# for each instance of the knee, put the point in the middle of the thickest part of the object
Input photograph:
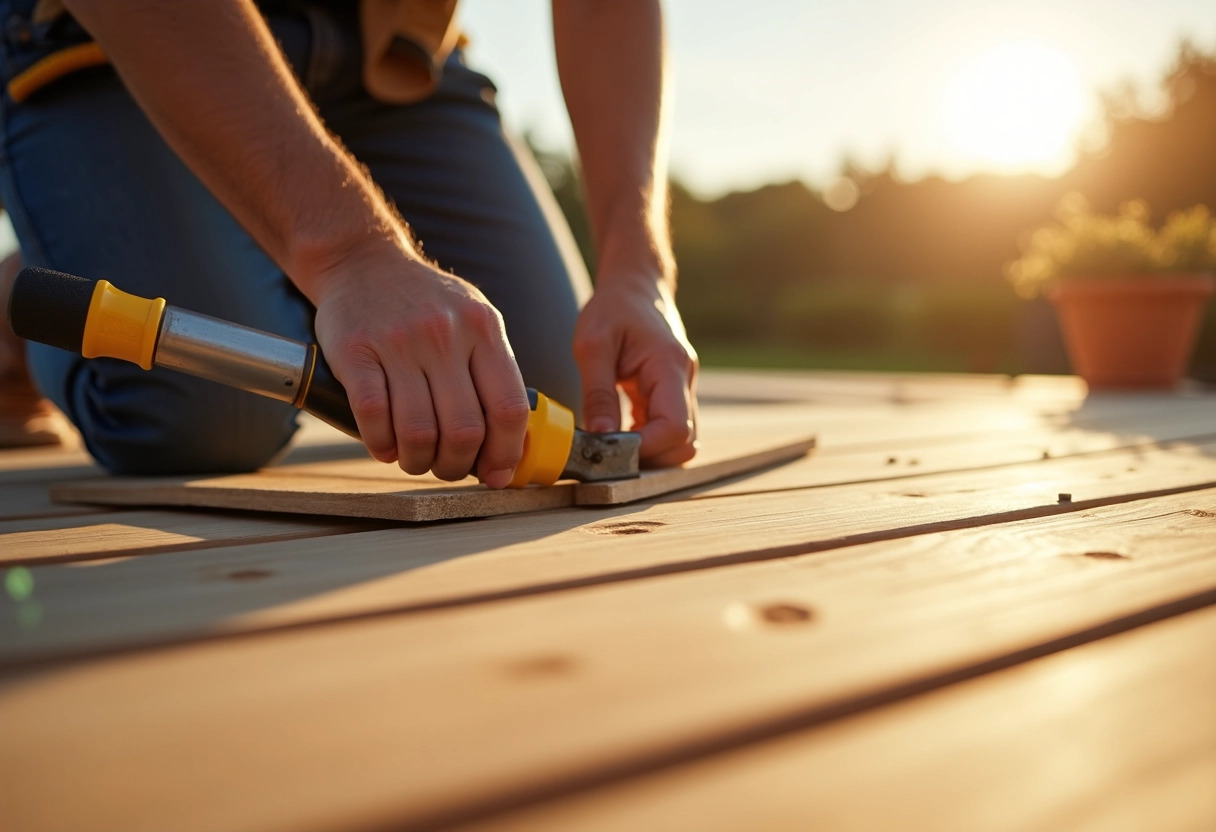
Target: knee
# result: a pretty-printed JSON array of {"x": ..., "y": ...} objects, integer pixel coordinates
[{"x": 164, "y": 423}]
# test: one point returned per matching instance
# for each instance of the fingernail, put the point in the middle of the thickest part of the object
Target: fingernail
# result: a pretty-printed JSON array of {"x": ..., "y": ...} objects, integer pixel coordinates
[
  {"x": 499, "y": 478},
  {"x": 601, "y": 424}
]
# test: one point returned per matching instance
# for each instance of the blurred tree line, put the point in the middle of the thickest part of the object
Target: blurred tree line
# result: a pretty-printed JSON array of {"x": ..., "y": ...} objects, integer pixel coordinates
[{"x": 910, "y": 276}]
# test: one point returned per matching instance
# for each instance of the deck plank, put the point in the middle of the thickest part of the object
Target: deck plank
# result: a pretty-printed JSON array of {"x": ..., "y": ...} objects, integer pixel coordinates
[
  {"x": 182, "y": 595},
  {"x": 1117, "y": 736},
  {"x": 432, "y": 718},
  {"x": 33, "y": 500},
  {"x": 874, "y": 443},
  {"x": 127, "y": 533},
  {"x": 375, "y": 490}
]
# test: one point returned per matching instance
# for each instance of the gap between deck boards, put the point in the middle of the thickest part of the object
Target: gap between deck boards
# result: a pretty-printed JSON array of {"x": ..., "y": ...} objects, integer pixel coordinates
[
  {"x": 543, "y": 554},
  {"x": 1026, "y": 747},
  {"x": 958, "y": 614}
]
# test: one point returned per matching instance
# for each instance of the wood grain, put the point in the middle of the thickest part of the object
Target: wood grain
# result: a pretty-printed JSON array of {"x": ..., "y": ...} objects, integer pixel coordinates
[
  {"x": 126, "y": 533},
  {"x": 883, "y": 441},
  {"x": 873, "y": 442},
  {"x": 389, "y": 495},
  {"x": 1118, "y": 736},
  {"x": 664, "y": 481},
  {"x": 432, "y": 718},
  {"x": 376, "y": 572},
  {"x": 32, "y": 500},
  {"x": 366, "y": 488},
  {"x": 757, "y": 385}
]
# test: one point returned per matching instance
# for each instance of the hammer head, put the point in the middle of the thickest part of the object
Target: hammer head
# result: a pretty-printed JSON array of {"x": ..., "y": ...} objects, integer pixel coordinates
[{"x": 603, "y": 456}]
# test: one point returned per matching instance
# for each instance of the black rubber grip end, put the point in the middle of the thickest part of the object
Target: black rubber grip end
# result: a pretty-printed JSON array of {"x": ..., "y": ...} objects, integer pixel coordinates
[
  {"x": 50, "y": 307},
  {"x": 326, "y": 399}
]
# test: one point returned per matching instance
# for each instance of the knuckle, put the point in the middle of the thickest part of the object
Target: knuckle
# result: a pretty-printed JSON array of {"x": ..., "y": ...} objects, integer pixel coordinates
[
  {"x": 680, "y": 433},
  {"x": 358, "y": 352},
  {"x": 368, "y": 403},
  {"x": 399, "y": 338},
  {"x": 437, "y": 327},
  {"x": 591, "y": 345},
  {"x": 676, "y": 353},
  {"x": 511, "y": 412},
  {"x": 601, "y": 399},
  {"x": 483, "y": 319},
  {"x": 418, "y": 437},
  {"x": 465, "y": 436}
]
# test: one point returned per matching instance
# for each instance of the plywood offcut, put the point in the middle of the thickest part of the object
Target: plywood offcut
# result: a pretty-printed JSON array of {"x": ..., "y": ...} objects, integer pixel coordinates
[{"x": 366, "y": 488}]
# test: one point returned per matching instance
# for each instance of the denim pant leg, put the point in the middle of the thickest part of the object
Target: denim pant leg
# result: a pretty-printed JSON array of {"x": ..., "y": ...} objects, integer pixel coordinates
[
  {"x": 94, "y": 190},
  {"x": 480, "y": 206}
]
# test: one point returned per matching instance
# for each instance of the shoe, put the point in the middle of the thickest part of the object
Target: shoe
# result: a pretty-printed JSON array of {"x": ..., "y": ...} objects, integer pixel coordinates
[{"x": 26, "y": 419}]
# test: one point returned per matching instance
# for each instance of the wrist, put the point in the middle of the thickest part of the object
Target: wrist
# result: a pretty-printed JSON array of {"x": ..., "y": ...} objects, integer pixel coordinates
[
  {"x": 318, "y": 262},
  {"x": 644, "y": 264}
]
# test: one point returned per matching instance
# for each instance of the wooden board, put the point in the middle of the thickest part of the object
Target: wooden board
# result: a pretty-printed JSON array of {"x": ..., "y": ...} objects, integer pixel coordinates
[
  {"x": 25, "y": 477},
  {"x": 422, "y": 568},
  {"x": 756, "y": 385},
  {"x": 456, "y": 713},
  {"x": 33, "y": 500},
  {"x": 1113, "y": 736},
  {"x": 381, "y": 491},
  {"x": 126, "y": 533},
  {"x": 883, "y": 441}
]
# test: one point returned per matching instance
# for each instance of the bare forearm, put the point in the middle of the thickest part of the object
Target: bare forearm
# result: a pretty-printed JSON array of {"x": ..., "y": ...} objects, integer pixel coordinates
[
  {"x": 211, "y": 78},
  {"x": 610, "y": 59}
]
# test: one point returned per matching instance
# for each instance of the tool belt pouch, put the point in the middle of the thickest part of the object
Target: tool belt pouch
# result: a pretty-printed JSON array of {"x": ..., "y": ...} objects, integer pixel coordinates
[
  {"x": 43, "y": 44},
  {"x": 405, "y": 44}
]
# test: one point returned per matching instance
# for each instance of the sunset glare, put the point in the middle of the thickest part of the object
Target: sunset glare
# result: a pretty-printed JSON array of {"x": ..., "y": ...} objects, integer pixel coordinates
[
  {"x": 785, "y": 89},
  {"x": 1014, "y": 107}
]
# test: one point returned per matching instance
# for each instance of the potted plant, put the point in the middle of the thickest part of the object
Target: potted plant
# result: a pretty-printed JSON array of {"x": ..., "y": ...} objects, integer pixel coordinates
[{"x": 1129, "y": 297}]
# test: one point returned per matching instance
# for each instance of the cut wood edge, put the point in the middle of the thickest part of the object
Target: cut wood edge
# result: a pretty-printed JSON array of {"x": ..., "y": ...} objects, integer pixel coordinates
[
  {"x": 408, "y": 501},
  {"x": 665, "y": 480},
  {"x": 455, "y": 503}
]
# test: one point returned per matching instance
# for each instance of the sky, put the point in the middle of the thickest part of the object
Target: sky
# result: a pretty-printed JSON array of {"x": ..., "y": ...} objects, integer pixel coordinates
[{"x": 773, "y": 90}]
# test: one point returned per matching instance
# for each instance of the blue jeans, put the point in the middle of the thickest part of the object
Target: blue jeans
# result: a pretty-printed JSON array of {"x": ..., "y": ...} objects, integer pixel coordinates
[{"x": 92, "y": 189}]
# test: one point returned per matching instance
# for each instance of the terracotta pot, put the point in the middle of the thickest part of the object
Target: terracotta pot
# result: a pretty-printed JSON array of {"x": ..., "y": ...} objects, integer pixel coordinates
[{"x": 1131, "y": 332}]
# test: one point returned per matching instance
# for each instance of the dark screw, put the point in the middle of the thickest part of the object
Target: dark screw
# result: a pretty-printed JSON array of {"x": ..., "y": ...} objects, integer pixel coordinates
[{"x": 785, "y": 613}]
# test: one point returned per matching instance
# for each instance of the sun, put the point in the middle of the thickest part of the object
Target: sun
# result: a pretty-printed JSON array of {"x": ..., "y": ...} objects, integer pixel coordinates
[{"x": 1016, "y": 107}]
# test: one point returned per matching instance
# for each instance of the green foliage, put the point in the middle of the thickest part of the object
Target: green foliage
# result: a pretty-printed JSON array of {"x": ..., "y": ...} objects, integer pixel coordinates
[
  {"x": 836, "y": 316},
  {"x": 1084, "y": 244},
  {"x": 918, "y": 268},
  {"x": 1188, "y": 240}
]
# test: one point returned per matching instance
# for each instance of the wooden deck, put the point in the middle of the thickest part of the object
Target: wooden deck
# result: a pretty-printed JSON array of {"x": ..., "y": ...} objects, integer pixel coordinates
[{"x": 980, "y": 604}]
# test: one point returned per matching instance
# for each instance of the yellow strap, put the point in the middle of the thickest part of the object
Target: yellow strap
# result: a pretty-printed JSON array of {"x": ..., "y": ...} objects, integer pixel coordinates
[{"x": 53, "y": 67}]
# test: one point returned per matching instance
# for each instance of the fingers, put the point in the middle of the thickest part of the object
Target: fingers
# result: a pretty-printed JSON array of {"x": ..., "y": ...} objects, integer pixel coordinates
[
  {"x": 426, "y": 364},
  {"x": 461, "y": 426},
  {"x": 669, "y": 431},
  {"x": 505, "y": 404},
  {"x": 596, "y": 358},
  {"x": 467, "y": 407},
  {"x": 367, "y": 392},
  {"x": 415, "y": 427}
]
